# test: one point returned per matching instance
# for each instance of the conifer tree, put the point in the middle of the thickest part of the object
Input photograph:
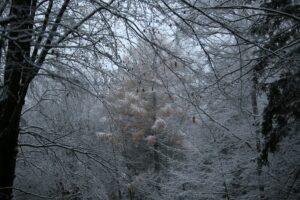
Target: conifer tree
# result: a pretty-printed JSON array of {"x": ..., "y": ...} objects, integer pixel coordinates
[
  {"x": 144, "y": 118},
  {"x": 278, "y": 69}
]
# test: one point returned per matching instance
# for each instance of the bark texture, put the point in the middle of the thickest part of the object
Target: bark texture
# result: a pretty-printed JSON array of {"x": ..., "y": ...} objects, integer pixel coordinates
[{"x": 16, "y": 80}]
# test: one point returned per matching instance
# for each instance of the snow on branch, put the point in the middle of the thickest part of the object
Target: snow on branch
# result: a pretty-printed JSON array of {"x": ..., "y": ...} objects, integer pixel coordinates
[
  {"x": 159, "y": 125},
  {"x": 102, "y": 136},
  {"x": 136, "y": 110},
  {"x": 151, "y": 139}
]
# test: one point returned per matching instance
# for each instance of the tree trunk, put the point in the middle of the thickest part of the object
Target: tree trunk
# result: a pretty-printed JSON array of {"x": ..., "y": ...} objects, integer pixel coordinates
[
  {"x": 155, "y": 146},
  {"x": 12, "y": 94},
  {"x": 258, "y": 136}
]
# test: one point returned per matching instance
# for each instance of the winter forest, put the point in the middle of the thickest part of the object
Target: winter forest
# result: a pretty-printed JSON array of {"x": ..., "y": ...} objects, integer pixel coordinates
[{"x": 150, "y": 99}]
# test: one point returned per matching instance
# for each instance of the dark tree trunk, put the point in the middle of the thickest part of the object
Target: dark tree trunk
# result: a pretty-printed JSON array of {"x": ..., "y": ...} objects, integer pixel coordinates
[
  {"x": 12, "y": 94},
  {"x": 156, "y": 157}
]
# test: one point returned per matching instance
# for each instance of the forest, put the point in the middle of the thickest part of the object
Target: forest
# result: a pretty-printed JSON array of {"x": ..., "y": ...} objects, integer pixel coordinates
[{"x": 149, "y": 99}]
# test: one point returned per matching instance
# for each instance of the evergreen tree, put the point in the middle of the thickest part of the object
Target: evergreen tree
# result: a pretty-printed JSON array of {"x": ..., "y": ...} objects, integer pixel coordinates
[
  {"x": 144, "y": 118},
  {"x": 278, "y": 69}
]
